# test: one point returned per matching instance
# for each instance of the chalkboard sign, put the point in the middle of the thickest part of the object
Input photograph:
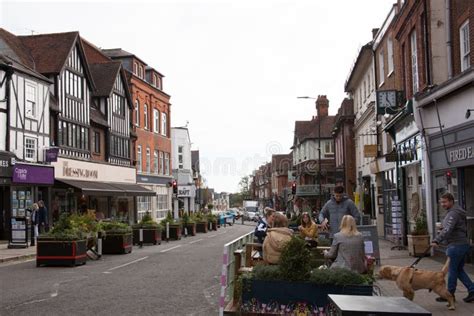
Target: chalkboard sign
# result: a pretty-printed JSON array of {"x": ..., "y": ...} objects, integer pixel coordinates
[{"x": 371, "y": 240}]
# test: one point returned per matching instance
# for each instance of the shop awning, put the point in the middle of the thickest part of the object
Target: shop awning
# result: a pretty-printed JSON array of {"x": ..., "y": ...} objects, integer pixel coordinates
[
  {"x": 132, "y": 189},
  {"x": 108, "y": 189}
]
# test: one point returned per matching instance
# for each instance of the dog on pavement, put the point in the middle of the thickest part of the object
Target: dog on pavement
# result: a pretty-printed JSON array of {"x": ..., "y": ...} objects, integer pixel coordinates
[{"x": 409, "y": 280}]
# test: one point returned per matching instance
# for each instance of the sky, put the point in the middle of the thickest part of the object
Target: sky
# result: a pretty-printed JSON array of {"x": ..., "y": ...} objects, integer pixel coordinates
[{"x": 233, "y": 68}]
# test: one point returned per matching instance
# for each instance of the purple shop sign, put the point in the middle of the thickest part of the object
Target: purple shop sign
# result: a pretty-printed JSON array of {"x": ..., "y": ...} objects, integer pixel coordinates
[
  {"x": 33, "y": 174},
  {"x": 52, "y": 154}
]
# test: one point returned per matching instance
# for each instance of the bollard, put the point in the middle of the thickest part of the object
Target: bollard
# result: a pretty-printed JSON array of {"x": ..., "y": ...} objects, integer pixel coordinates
[
  {"x": 225, "y": 221},
  {"x": 99, "y": 245},
  {"x": 210, "y": 226},
  {"x": 141, "y": 237},
  {"x": 167, "y": 231},
  {"x": 185, "y": 232}
]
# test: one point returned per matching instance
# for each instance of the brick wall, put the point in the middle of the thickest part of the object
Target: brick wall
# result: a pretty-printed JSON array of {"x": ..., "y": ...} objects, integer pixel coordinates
[{"x": 461, "y": 11}]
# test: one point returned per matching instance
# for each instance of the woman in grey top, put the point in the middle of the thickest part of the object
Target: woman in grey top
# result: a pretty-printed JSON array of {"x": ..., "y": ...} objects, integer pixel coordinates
[{"x": 348, "y": 247}]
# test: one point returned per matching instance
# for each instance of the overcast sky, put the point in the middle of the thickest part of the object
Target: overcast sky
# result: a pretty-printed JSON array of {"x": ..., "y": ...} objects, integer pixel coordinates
[{"x": 233, "y": 68}]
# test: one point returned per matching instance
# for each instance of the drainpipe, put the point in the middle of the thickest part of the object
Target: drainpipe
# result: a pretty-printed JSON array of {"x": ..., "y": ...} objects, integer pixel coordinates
[
  {"x": 449, "y": 43},
  {"x": 429, "y": 79}
]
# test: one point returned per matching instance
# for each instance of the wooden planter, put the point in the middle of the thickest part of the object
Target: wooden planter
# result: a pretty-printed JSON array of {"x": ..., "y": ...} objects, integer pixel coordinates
[
  {"x": 214, "y": 225},
  {"x": 191, "y": 229},
  {"x": 150, "y": 236},
  {"x": 418, "y": 244},
  {"x": 51, "y": 252},
  {"x": 202, "y": 227},
  {"x": 175, "y": 232},
  {"x": 116, "y": 243},
  {"x": 284, "y": 293}
]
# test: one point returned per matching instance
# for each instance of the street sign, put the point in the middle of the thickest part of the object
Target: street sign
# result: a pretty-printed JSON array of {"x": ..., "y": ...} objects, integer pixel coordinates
[
  {"x": 370, "y": 151},
  {"x": 307, "y": 190}
]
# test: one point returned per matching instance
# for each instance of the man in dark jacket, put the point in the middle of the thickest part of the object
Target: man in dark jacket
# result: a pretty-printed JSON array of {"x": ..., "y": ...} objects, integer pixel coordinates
[
  {"x": 263, "y": 224},
  {"x": 454, "y": 233},
  {"x": 42, "y": 221},
  {"x": 335, "y": 209}
]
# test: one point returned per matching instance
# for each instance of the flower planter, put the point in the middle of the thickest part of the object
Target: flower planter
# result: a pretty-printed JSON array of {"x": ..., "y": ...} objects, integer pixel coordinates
[
  {"x": 150, "y": 236},
  {"x": 116, "y": 243},
  {"x": 202, "y": 227},
  {"x": 418, "y": 244},
  {"x": 175, "y": 232},
  {"x": 213, "y": 225},
  {"x": 60, "y": 252},
  {"x": 285, "y": 293},
  {"x": 191, "y": 229}
]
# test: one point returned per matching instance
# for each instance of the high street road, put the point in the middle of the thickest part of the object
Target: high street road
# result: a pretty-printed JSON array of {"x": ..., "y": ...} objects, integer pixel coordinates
[{"x": 175, "y": 278}]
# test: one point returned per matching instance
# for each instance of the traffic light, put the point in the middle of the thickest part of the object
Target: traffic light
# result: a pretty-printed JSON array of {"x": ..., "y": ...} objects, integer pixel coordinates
[
  {"x": 293, "y": 188},
  {"x": 449, "y": 179},
  {"x": 175, "y": 187}
]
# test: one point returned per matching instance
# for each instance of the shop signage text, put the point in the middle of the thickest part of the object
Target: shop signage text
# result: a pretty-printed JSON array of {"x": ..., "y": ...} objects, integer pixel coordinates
[
  {"x": 4, "y": 163},
  {"x": 460, "y": 154},
  {"x": 33, "y": 174},
  {"x": 79, "y": 172}
]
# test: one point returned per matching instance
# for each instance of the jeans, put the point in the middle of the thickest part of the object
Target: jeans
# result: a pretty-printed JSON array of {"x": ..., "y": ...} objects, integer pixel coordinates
[{"x": 457, "y": 257}]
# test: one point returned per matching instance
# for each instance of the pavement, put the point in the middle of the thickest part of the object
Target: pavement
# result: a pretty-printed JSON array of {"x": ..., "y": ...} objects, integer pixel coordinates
[
  {"x": 14, "y": 254},
  {"x": 424, "y": 298}
]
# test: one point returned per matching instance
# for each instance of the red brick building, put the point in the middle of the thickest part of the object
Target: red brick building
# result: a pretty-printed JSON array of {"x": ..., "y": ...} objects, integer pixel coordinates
[
  {"x": 281, "y": 165},
  {"x": 151, "y": 117},
  {"x": 344, "y": 147}
]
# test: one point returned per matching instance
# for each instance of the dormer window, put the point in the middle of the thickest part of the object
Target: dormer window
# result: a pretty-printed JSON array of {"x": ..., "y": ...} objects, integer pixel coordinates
[
  {"x": 140, "y": 71},
  {"x": 135, "y": 68}
]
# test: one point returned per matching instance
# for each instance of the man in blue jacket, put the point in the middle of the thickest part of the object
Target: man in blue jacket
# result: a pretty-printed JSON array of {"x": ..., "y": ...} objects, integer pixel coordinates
[
  {"x": 335, "y": 209},
  {"x": 263, "y": 224},
  {"x": 454, "y": 233}
]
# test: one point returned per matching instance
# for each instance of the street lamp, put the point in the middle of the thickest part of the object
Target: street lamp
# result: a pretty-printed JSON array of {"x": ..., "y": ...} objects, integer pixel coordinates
[{"x": 319, "y": 152}]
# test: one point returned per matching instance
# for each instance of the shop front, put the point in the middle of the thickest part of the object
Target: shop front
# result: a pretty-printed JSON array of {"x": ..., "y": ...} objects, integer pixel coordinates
[
  {"x": 158, "y": 205},
  {"x": 452, "y": 170},
  {"x": 108, "y": 190},
  {"x": 6, "y": 172}
]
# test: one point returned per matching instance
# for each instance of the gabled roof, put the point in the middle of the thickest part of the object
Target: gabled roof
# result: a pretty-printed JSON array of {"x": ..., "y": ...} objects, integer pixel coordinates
[
  {"x": 15, "y": 49},
  {"x": 8, "y": 62},
  {"x": 364, "y": 56},
  {"x": 50, "y": 51},
  {"x": 104, "y": 75},
  {"x": 93, "y": 53},
  {"x": 116, "y": 53},
  {"x": 310, "y": 129},
  {"x": 98, "y": 117}
]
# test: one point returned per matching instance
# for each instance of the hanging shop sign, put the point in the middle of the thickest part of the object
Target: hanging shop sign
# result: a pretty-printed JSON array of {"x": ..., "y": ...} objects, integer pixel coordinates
[
  {"x": 186, "y": 191},
  {"x": 52, "y": 154},
  {"x": 370, "y": 151}
]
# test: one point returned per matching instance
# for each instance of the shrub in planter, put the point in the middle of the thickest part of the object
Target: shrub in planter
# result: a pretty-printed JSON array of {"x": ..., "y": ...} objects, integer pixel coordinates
[
  {"x": 175, "y": 228},
  {"x": 419, "y": 239},
  {"x": 189, "y": 224},
  {"x": 66, "y": 243},
  {"x": 151, "y": 231},
  {"x": 202, "y": 225},
  {"x": 293, "y": 280},
  {"x": 116, "y": 237},
  {"x": 211, "y": 218}
]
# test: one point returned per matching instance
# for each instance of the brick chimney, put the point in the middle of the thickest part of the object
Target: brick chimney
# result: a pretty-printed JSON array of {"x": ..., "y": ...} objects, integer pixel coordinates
[{"x": 322, "y": 105}]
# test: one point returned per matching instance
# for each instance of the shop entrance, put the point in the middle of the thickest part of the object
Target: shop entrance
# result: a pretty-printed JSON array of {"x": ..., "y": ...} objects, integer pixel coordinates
[{"x": 4, "y": 212}]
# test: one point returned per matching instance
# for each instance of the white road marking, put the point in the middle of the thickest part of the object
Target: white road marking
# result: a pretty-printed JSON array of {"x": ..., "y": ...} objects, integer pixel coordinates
[
  {"x": 211, "y": 236},
  {"x": 170, "y": 248},
  {"x": 195, "y": 241},
  {"x": 126, "y": 264}
]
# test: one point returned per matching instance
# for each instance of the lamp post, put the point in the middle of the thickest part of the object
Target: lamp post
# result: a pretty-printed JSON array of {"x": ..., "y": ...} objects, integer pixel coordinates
[{"x": 319, "y": 153}]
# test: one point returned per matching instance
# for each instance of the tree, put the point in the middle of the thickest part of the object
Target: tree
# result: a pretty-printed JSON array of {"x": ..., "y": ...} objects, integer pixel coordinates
[{"x": 244, "y": 186}]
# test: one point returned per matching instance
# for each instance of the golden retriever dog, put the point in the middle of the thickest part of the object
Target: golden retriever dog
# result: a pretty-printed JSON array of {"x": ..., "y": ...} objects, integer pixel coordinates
[{"x": 409, "y": 280}]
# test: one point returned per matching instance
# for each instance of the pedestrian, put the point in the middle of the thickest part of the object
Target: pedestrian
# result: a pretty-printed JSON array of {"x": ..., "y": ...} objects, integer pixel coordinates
[
  {"x": 309, "y": 230},
  {"x": 277, "y": 237},
  {"x": 454, "y": 234},
  {"x": 348, "y": 247},
  {"x": 34, "y": 223},
  {"x": 263, "y": 223},
  {"x": 333, "y": 211},
  {"x": 42, "y": 217}
]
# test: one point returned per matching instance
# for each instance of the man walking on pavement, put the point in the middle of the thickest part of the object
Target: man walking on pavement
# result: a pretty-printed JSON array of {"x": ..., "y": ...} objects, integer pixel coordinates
[
  {"x": 454, "y": 233},
  {"x": 335, "y": 209}
]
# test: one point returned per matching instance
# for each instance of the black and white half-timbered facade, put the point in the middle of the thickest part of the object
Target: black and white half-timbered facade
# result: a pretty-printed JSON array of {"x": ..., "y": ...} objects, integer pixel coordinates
[{"x": 24, "y": 139}]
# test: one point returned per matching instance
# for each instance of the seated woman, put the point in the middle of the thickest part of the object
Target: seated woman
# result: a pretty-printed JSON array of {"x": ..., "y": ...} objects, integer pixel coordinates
[
  {"x": 277, "y": 237},
  {"x": 348, "y": 247},
  {"x": 309, "y": 230}
]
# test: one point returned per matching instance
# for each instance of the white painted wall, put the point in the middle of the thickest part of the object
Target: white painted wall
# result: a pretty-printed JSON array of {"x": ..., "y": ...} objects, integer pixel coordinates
[{"x": 180, "y": 137}]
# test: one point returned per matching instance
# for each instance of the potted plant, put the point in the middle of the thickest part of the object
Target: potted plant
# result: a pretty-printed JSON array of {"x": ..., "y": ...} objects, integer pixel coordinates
[
  {"x": 173, "y": 226},
  {"x": 212, "y": 221},
  {"x": 116, "y": 237},
  {"x": 65, "y": 243},
  {"x": 295, "y": 281},
  {"x": 201, "y": 223},
  {"x": 151, "y": 231},
  {"x": 188, "y": 224},
  {"x": 419, "y": 239}
]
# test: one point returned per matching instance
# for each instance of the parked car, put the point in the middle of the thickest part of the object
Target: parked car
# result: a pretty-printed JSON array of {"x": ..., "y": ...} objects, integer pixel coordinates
[{"x": 251, "y": 216}]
